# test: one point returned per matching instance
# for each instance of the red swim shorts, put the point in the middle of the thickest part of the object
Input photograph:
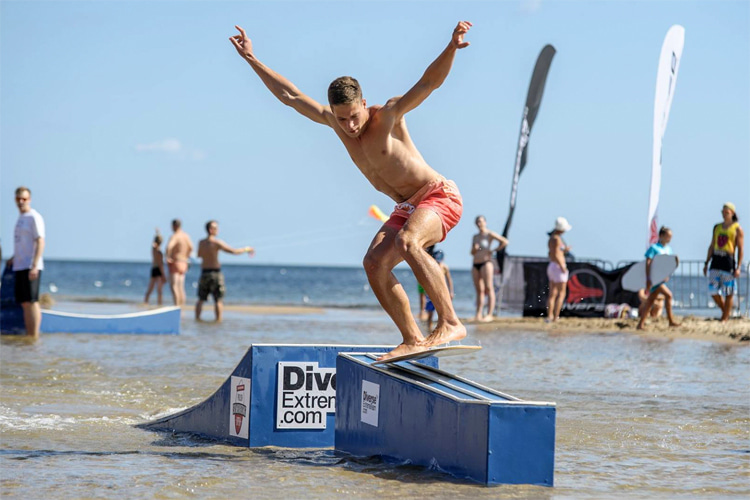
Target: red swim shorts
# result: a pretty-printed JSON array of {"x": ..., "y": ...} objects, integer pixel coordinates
[{"x": 441, "y": 196}]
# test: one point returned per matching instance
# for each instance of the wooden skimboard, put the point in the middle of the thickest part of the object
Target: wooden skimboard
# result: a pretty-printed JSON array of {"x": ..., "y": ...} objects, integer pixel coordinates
[
  {"x": 662, "y": 267},
  {"x": 438, "y": 351}
]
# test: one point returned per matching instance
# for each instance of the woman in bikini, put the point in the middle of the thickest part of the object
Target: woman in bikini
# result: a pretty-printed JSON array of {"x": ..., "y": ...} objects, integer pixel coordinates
[
  {"x": 483, "y": 267},
  {"x": 157, "y": 270},
  {"x": 557, "y": 269}
]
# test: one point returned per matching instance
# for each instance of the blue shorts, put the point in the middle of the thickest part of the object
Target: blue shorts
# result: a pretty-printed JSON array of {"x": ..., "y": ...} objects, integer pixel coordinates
[
  {"x": 429, "y": 306},
  {"x": 721, "y": 283}
]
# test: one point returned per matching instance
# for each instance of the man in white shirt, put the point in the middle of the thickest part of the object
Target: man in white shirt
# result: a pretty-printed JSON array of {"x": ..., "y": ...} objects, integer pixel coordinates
[{"x": 27, "y": 260}]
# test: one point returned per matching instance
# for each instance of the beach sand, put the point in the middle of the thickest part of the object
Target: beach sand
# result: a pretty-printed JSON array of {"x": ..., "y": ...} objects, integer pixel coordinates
[{"x": 736, "y": 330}]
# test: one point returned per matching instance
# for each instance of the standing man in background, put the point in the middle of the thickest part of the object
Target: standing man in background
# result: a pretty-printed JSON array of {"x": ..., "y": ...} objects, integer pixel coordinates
[
  {"x": 28, "y": 239},
  {"x": 212, "y": 279},
  {"x": 179, "y": 249}
]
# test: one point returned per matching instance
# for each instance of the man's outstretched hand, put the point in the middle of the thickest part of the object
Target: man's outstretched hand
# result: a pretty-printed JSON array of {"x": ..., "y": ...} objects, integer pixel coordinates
[
  {"x": 242, "y": 43},
  {"x": 458, "y": 34}
]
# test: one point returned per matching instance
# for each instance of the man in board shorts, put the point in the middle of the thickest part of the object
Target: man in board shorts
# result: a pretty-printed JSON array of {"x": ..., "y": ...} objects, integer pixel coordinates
[
  {"x": 212, "y": 279},
  {"x": 427, "y": 205},
  {"x": 725, "y": 267}
]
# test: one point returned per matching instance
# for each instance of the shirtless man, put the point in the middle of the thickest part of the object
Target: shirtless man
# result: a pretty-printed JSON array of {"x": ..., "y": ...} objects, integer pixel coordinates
[
  {"x": 212, "y": 279},
  {"x": 428, "y": 205},
  {"x": 179, "y": 248}
]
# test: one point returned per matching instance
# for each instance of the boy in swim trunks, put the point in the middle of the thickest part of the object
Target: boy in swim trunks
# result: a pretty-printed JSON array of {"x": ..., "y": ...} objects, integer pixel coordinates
[{"x": 427, "y": 205}]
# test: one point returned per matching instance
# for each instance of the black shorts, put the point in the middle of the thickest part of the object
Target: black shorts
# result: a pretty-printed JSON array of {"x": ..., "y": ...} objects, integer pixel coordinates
[
  {"x": 156, "y": 272},
  {"x": 26, "y": 290},
  {"x": 211, "y": 283}
]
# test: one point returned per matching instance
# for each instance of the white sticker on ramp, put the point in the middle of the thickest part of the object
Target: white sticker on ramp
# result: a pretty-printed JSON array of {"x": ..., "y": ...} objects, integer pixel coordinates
[
  {"x": 370, "y": 400},
  {"x": 305, "y": 395},
  {"x": 239, "y": 416}
]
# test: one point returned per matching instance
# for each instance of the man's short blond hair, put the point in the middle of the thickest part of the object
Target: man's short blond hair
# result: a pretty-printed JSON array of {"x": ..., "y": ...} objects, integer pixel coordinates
[
  {"x": 344, "y": 90},
  {"x": 21, "y": 189}
]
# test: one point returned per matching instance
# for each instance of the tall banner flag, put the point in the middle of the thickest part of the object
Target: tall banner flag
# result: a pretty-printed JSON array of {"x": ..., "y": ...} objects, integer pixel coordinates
[
  {"x": 666, "y": 78},
  {"x": 530, "y": 110}
]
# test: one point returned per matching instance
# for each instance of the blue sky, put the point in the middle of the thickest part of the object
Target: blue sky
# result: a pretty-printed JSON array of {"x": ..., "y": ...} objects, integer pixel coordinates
[{"x": 123, "y": 115}]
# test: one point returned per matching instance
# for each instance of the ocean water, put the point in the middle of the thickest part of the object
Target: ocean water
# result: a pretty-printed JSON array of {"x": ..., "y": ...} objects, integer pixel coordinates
[
  {"x": 636, "y": 417},
  {"x": 344, "y": 287}
]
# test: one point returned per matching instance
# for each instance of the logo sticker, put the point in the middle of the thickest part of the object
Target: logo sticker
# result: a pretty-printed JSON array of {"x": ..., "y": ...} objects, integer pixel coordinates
[
  {"x": 239, "y": 403},
  {"x": 586, "y": 291},
  {"x": 370, "y": 400},
  {"x": 305, "y": 394}
]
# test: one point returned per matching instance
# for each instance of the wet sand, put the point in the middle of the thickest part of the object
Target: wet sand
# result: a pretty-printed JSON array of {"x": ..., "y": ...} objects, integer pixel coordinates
[
  {"x": 259, "y": 309},
  {"x": 736, "y": 330}
]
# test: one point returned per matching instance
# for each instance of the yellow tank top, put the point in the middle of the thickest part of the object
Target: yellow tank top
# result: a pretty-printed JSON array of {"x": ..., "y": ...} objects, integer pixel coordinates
[
  {"x": 724, "y": 238},
  {"x": 723, "y": 251}
]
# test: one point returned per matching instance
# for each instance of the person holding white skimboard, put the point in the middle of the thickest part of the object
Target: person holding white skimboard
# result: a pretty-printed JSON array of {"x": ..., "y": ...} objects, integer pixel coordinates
[
  {"x": 725, "y": 270},
  {"x": 661, "y": 247}
]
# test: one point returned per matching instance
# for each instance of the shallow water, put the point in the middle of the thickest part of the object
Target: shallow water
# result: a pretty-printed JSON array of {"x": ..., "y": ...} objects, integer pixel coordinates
[{"x": 635, "y": 417}]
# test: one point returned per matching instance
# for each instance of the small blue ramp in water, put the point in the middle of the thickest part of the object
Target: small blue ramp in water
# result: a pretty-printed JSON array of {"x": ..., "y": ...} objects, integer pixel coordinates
[
  {"x": 164, "y": 320},
  {"x": 425, "y": 416},
  {"x": 278, "y": 395}
]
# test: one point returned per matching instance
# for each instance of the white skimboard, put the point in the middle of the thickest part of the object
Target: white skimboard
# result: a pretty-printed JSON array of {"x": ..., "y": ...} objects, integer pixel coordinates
[
  {"x": 662, "y": 267},
  {"x": 438, "y": 351}
]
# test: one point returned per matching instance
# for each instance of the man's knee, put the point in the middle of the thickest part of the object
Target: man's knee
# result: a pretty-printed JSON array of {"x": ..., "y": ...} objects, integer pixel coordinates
[
  {"x": 406, "y": 243},
  {"x": 372, "y": 263}
]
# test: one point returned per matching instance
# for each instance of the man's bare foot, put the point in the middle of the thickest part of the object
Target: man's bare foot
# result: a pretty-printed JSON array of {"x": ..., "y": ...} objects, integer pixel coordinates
[
  {"x": 444, "y": 334},
  {"x": 639, "y": 327},
  {"x": 673, "y": 324},
  {"x": 401, "y": 350},
  {"x": 487, "y": 318}
]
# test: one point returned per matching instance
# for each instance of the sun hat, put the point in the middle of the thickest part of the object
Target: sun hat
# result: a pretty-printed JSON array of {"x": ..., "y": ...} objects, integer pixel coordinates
[
  {"x": 730, "y": 206},
  {"x": 561, "y": 224}
]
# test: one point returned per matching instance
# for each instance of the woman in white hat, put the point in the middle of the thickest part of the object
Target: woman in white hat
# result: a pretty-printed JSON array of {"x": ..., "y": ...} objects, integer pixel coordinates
[
  {"x": 724, "y": 269},
  {"x": 557, "y": 269}
]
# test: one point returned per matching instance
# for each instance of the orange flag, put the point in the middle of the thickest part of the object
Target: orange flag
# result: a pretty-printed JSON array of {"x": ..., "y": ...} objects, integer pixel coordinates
[{"x": 376, "y": 213}]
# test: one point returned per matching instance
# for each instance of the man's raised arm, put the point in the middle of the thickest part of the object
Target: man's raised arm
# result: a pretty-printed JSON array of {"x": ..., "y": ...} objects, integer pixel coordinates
[
  {"x": 434, "y": 75},
  {"x": 283, "y": 89}
]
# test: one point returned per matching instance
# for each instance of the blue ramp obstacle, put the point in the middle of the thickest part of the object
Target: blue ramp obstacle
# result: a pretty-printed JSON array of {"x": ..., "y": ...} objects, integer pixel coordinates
[
  {"x": 417, "y": 413},
  {"x": 278, "y": 395},
  {"x": 164, "y": 320}
]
